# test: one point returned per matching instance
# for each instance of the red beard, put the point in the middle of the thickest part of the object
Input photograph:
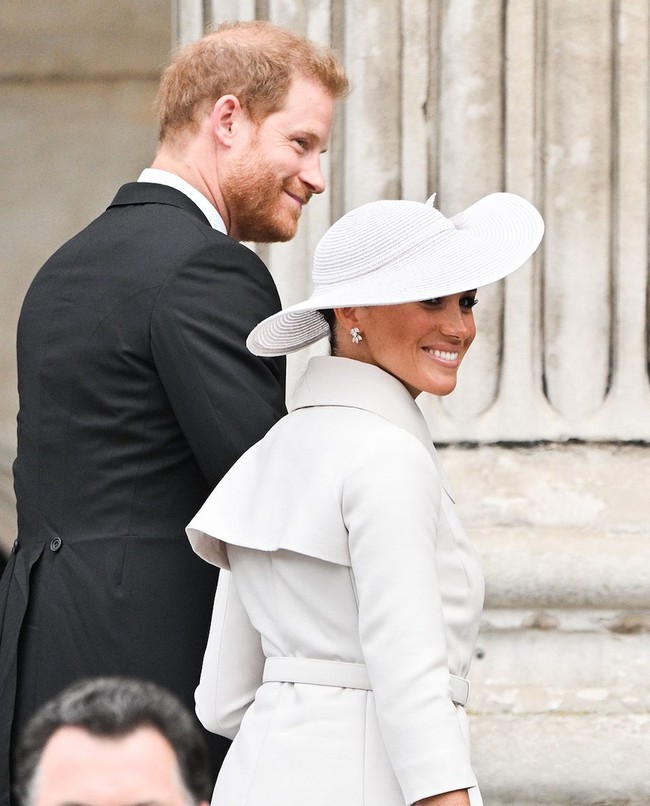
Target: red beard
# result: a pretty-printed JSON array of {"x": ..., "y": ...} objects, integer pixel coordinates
[{"x": 259, "y": 209}]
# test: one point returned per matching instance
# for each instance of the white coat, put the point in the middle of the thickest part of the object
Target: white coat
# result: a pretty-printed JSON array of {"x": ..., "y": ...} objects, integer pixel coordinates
[{"x": 343, "y": 545}]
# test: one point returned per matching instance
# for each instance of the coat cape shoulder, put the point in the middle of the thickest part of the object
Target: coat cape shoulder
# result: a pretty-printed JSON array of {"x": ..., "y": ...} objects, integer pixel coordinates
[{"x": 285, "y": 492}]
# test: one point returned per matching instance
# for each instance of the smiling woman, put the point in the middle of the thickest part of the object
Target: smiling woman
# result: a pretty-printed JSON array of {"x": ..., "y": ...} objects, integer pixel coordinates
[
  {"x": 342, "y": 637},
  {"x": 419, "y": 343}
]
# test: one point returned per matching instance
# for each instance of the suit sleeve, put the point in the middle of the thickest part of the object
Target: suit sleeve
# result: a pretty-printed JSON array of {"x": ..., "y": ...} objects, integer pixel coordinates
[
  {"x": 232, "y": 666},
  {"x": 391, "y": 504},
  {"x": 224, "y": 398}
]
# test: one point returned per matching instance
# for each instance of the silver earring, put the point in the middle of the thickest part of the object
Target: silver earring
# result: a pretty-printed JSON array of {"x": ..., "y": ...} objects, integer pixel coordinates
[{"x": 355, "y": 335}]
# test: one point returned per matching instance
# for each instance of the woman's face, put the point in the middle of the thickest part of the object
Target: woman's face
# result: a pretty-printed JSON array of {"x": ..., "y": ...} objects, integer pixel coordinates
[{"x": 420, "y": 343}]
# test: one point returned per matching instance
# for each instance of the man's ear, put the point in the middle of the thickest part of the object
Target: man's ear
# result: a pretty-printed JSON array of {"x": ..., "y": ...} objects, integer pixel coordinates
[{"x": 224, "y": 116}]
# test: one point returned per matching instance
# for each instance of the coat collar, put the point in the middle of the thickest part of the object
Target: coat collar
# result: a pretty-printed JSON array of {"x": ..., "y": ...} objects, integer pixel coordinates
[
  {"x": 153, "y": 193},
  {"x": 333, "y": 381},
  {"x": 161, "y": 177}
]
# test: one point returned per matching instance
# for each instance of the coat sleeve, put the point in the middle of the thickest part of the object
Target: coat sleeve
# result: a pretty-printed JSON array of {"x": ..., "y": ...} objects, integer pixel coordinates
[
  {"x": 233, "y": 664},
  {"x": 391, "y": 505},
  {"x": 224, "y": 398}
]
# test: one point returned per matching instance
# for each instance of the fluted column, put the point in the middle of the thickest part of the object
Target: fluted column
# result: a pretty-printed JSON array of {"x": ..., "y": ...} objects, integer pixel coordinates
[{"x": 546, "y": 98}]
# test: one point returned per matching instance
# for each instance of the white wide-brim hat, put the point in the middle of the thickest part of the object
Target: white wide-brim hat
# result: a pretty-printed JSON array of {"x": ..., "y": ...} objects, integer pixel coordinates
[{"x": 390, "y": 252}]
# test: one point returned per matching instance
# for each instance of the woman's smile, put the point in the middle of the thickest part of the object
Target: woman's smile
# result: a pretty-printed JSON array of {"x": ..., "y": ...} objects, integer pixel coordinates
[{"x": 422, "y": 344}]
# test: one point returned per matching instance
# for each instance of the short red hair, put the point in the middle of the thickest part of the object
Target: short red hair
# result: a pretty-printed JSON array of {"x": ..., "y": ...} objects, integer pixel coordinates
[{"x": 255, "y": 61}]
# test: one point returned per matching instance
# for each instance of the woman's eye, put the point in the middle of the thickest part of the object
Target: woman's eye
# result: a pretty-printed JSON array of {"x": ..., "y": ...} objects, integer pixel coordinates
[{"x": 436, "y": 302}]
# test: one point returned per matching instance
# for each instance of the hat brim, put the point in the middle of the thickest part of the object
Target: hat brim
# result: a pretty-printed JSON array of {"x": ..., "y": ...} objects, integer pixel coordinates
[{"x": 485, "y": 243}]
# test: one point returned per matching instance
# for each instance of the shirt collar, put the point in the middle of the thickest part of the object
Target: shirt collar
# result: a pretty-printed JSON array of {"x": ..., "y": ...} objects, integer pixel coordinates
[{"x": 160, "y": 177}]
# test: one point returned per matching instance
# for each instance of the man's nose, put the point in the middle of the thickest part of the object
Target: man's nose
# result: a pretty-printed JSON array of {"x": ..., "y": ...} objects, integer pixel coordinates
[{"x": 312, "y": 174}]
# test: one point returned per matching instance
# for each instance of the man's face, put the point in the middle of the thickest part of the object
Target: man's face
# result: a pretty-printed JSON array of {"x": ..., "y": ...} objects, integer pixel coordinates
[
  {"x": 276, "y": 168},
  {"x": 85, "y": 770}
]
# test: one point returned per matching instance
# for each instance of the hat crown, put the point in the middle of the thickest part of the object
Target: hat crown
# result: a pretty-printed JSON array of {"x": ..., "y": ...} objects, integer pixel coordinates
[{"x": 381, "y": 234}]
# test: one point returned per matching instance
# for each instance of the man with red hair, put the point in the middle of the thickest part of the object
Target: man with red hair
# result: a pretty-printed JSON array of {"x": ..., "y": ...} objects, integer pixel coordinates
[{"x": 137, "y": 392}]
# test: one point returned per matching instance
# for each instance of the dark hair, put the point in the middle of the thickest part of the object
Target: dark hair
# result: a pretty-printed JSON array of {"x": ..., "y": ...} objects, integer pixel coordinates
[
  {"x": 330, "y": 317},
  {"x": 115, "y": 707}
]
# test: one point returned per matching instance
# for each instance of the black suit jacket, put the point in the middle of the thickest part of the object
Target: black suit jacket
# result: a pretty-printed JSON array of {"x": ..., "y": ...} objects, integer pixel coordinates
[{"x": 137, "y": 393}]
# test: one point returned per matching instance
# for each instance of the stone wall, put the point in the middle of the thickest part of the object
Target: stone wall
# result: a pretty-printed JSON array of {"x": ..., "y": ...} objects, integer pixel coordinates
[
  {"x": 560, "y": 703},
  {"x": 77, "y": 84}
]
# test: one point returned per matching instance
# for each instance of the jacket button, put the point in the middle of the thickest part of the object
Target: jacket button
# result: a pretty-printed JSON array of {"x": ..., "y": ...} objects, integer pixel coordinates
[
  {"x": 55, "y": 543},
  {"x": 14, "y": 548}
]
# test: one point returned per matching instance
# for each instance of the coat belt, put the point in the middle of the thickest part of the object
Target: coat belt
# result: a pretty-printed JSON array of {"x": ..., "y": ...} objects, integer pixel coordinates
[{"x": 340, "y": 673}]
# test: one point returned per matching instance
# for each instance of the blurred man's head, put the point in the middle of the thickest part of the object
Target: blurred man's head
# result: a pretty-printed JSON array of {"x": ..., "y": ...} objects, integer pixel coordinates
[{"x": 112, "y": 742}]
